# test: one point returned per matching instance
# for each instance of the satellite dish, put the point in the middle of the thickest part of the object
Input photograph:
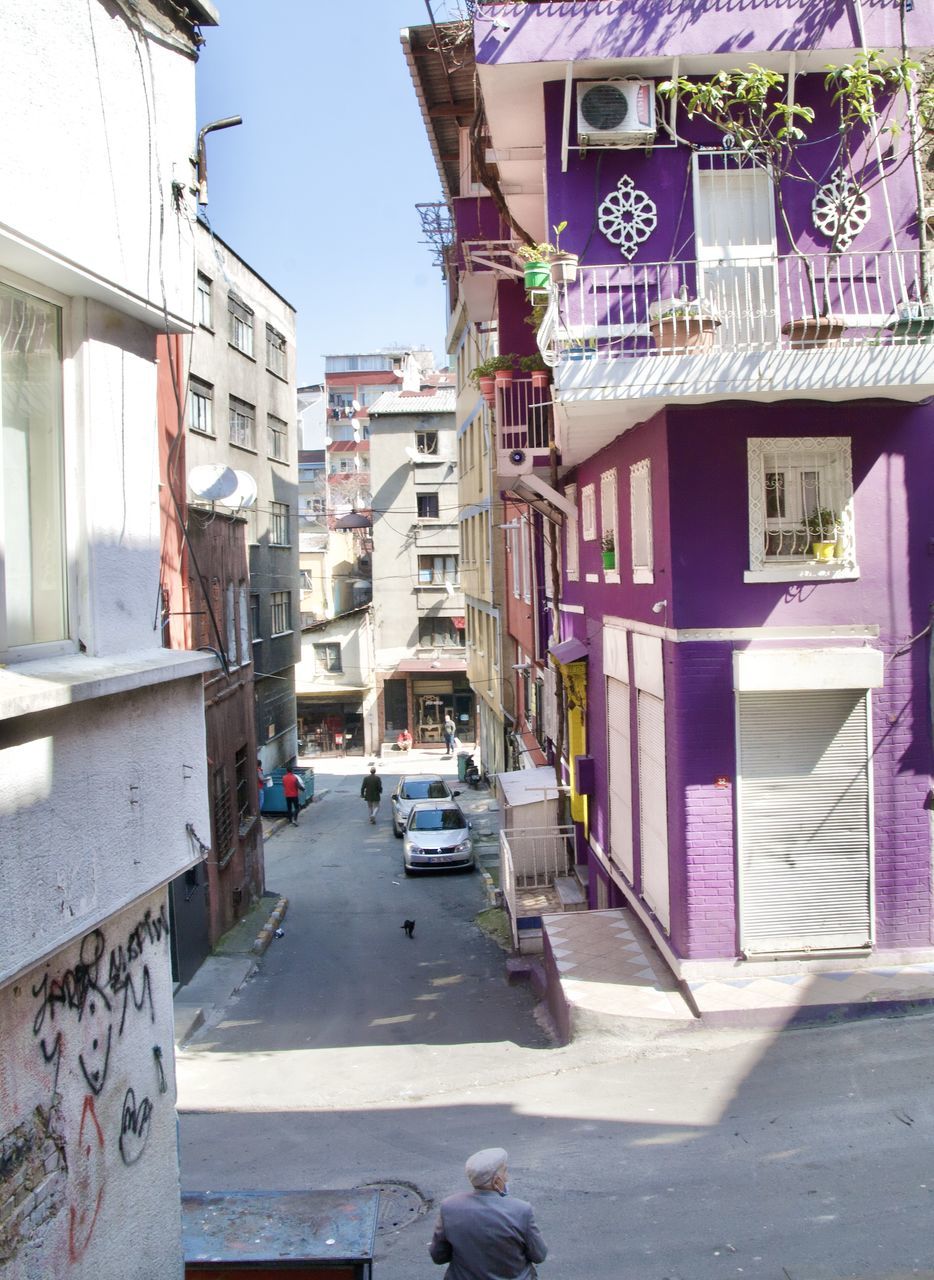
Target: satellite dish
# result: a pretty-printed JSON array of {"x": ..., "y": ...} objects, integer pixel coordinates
[
  {"x": 244, "y": 495},
  {"x": 213, "y": 482}
]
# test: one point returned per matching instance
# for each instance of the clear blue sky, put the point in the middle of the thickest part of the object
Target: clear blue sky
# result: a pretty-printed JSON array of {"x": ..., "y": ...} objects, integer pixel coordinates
[{"x": 317, "y": 188}]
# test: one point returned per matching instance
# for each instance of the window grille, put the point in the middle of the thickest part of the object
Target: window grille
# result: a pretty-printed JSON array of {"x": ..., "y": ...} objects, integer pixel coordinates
[
  {"x": 640, "y": 507},
  {"x": 800, "y": 502},
  {"x": 571, "y": 549},
  {"x": 588, "y": 513},
  {"x": 223, "y": 815}
]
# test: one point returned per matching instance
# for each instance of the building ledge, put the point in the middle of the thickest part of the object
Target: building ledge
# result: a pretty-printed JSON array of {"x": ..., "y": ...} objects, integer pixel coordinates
[{"x": 44, "y": 684}]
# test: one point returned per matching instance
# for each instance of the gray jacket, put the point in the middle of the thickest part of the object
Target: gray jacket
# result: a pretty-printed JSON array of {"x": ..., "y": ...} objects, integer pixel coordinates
[{"x": 485, "y": 1236}]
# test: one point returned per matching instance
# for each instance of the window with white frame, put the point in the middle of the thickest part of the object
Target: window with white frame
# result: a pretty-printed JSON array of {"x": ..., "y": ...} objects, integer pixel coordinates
[
  {"x": 800, "y": 507},
  {"x": 427, "y": 506},
  {"x": 277, "y": 438},
  {"x": 279, "y": 524},
  {"x": 513, "y": 547},
  {"x": 276, "y": 358},
  {"x": 33, "y": 594},
  {"x": 571, "y": 534},
  {"x": 640, "y": 515},
  {"x": 426, "y": 442},
  {"x": 201, "y": 406},
  {"x": 435, "y": 571},
  {"x": 204, "y": 304},
  {"x": 609, "y": 520},
  {"x": 243, "y": 619},
  {"x": 328, "y": 657},
  {"x": 525, "y": 553},
  {"x": 240, "y": 317},
  {"x": 281, "y": 612},
  {"x": 588, "y": 513},
  {"x": 440, "y": 633},
  {"x": 242, "y": 423}
]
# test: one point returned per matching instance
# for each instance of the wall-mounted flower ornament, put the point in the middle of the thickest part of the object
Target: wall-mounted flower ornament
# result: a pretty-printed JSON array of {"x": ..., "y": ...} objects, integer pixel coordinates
[
  {"x": 627, "y": 217},
  {"x": 840, "y": 210}
]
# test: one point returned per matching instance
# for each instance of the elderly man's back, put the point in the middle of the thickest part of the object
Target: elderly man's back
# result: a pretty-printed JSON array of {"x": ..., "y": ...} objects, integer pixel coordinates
[{"x": 486, "y": 1236}]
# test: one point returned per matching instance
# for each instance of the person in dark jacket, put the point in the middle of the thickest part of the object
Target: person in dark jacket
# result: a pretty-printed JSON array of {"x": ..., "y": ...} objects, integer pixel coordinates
[
  {"x": 371, "y": 789},
  {"x": 486, "y": 1233}
]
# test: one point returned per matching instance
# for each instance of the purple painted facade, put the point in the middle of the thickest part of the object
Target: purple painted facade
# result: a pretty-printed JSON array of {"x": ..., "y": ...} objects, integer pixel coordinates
[{"x": 711, "y": 607}]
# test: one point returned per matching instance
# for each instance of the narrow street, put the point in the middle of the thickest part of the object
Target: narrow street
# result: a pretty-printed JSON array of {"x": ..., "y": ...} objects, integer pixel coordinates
[{"x": 357, "y": 1056}]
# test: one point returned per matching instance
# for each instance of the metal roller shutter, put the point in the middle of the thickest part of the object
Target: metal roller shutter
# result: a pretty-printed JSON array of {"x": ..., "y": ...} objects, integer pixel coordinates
[
  {"x": 620, "y": 765},
  {"x": 653, "y": 804},
  {"x": 805, "y": 861}
]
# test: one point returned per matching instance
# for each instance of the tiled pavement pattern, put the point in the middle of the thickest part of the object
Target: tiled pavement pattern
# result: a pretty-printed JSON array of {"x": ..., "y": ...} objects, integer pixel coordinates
[
  {"x": 609, "y": 969},
  {"x": 608, "y": 972}
]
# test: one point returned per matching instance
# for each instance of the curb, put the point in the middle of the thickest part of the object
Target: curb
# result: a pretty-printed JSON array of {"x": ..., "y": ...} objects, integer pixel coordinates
[
  {"x": 490, "y": 887},
  {"x": 268, "y": 931}
]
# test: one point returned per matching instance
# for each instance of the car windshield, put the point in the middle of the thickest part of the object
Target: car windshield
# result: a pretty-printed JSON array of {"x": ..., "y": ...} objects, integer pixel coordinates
[
  {"x": 425, "y": 789},
  {"x": 436, "y": 820}
]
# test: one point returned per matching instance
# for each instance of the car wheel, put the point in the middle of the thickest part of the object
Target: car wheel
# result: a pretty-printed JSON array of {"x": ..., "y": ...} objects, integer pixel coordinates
[
  {"x": 396, "y": 832},
  {"x": 408, "y": 870}
]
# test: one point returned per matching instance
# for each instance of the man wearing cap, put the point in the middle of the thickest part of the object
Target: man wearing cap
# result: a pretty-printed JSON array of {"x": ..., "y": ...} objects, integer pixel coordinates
[{"x": 487, "y": 1234}]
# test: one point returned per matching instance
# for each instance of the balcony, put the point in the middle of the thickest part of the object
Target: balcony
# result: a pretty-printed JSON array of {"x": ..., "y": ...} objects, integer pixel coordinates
[
  {"x": 629, "y": 340},
  {"x": 523, "y": 422},
  {"x": 537, "y": 878}
]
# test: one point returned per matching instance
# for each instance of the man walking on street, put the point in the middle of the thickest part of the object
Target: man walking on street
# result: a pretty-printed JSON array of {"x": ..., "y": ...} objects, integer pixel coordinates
[
  {"x": 450, "y": 729},
  {"x": 371, "y": 789},
  {"x": 291, "y": 786},
  {"x": 487, "y": 1232}
]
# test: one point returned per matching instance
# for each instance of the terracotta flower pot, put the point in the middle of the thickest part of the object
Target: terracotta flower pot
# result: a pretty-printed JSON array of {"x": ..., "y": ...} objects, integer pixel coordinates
[
  {"x": 814, "y": 331},
  {"x": 684, "y": 333},
  {"x": 503, "y": 378},
  {"x": 540, "y": 379},
  {"x": 487, "y": 385}
]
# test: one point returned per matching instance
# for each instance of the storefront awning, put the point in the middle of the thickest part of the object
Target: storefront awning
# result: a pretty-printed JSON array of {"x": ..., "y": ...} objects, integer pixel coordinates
[{"x": 569, "y": 651}]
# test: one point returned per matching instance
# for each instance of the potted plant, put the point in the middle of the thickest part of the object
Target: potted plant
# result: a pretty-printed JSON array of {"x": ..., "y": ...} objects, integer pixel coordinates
[
  {"x": 502, "y": 369},
  {"x": 914, "y": 320},
  {"x": 563, "y": 265},
  {"x": 765, "y": 124},
  {"x": 536, "y": 366},
  {"x": 824, "y": 527},
  {"x": 536, "y": 271},
  {"x": 482, "y": 376},
  {"x": 608, "y": 548},
  {"x": 683, "y": 324}
]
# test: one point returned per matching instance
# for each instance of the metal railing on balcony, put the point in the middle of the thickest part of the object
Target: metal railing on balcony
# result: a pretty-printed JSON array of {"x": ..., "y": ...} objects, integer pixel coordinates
[
  {"x": 739, "y": 304},
  {"x": 531, "y": 860},
  {"x": 524, "y": 416}
]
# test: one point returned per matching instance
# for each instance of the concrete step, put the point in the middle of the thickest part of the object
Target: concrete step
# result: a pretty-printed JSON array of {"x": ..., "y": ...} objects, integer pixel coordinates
[{"x": 570, "y": 893}]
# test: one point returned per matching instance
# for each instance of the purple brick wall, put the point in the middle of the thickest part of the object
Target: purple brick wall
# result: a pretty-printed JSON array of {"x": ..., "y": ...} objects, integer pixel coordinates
[{"x": 699, "y": 484}]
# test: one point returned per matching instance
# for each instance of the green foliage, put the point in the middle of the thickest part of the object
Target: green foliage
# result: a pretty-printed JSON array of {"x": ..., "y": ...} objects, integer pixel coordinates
[
  {"x": 532, "y": 363},
  {"x": 823, "y": 525},
  {"x": 608, "y": 541}
]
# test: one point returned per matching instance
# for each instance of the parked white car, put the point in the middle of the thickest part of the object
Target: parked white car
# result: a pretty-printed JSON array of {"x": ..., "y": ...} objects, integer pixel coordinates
[
  {"x": 413, "y": 787},
  {"x": 437, "y": 835}
]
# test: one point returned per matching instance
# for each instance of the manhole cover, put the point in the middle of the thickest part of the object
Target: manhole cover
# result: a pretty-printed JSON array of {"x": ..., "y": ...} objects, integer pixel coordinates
[{"x": 400, "y": 1204}]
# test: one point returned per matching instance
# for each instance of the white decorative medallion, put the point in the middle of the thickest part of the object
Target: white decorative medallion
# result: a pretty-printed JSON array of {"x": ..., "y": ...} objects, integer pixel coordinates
[
  {"x": 840, "y": 210},
  {"x": 627, "y": 217}
]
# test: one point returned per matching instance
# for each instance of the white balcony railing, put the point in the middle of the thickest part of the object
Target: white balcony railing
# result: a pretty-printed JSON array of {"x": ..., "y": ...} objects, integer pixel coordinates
[
  {"x": 739, "y": 304},
  {"x": 531, "y": 860},
  {"x": 524, "y": 417}
]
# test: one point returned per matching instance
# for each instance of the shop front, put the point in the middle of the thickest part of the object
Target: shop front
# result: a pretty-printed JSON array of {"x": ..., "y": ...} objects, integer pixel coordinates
[
  {"x": 330, "y": 726},
  {"x": 419, "y": 697}
]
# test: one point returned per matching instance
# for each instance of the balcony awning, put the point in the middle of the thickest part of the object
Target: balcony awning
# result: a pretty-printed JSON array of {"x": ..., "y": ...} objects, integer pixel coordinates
[
  {"x": 569, "y": 651},
  {"x": 428, "y": 666}
]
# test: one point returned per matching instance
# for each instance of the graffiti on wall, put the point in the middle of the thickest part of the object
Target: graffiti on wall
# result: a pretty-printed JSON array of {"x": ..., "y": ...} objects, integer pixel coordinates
[{"x": 99, "y": 1112}]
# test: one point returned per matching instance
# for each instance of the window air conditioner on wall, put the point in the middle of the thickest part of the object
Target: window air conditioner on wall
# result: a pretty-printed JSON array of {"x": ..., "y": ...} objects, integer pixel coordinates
[{"x": 615, "y": 113}]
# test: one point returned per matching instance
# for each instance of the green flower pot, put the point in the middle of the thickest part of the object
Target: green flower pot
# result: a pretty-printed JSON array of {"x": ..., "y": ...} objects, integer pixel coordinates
[{"x": 537, "y": 275}]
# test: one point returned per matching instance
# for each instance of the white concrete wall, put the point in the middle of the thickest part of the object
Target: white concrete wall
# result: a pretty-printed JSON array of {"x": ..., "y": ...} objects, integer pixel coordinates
[
  {"x": 99, "y": 123},
  {"x": 88, "y": 1140},
  {"x": 353, "y": 635},
  {"x": 94, "y": 799}
]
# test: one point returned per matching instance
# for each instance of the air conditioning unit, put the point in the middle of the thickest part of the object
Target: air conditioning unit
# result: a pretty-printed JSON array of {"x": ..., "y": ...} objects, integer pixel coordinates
[
  {"x": 615, "y": 113},
  {"x": 513, "y": 462}
]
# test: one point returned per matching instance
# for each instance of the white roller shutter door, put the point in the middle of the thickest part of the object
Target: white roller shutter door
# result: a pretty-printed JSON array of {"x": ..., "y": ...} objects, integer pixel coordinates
[
  {"x": 804, "y": 834},
  {"x": 620, "y": 766},
  {"x": 653, "y": 804}
]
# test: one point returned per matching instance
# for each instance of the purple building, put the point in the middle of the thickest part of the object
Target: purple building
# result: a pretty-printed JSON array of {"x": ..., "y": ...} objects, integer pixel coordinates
[{"x": 742, "y": 361}]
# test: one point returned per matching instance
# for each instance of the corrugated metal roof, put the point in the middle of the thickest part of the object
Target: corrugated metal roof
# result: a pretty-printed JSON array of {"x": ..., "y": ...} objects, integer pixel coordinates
[
  {"x": 434, "y": 400},
  {"x": 441, "y": 64}
]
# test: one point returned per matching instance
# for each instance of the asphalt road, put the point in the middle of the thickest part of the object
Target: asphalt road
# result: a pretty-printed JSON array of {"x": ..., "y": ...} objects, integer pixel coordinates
[{"x": 356, "y": 1056}]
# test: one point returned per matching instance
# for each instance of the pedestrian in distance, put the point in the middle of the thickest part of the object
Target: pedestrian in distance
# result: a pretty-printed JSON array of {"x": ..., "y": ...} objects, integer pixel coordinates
[
  {"x": 371, "y": 789},
  {"x": 486, "y": 1232},
  {"x": 260, "y": 783},
  {"x": 292, "y": 786},
  {"x": 450, "y": 729}
]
